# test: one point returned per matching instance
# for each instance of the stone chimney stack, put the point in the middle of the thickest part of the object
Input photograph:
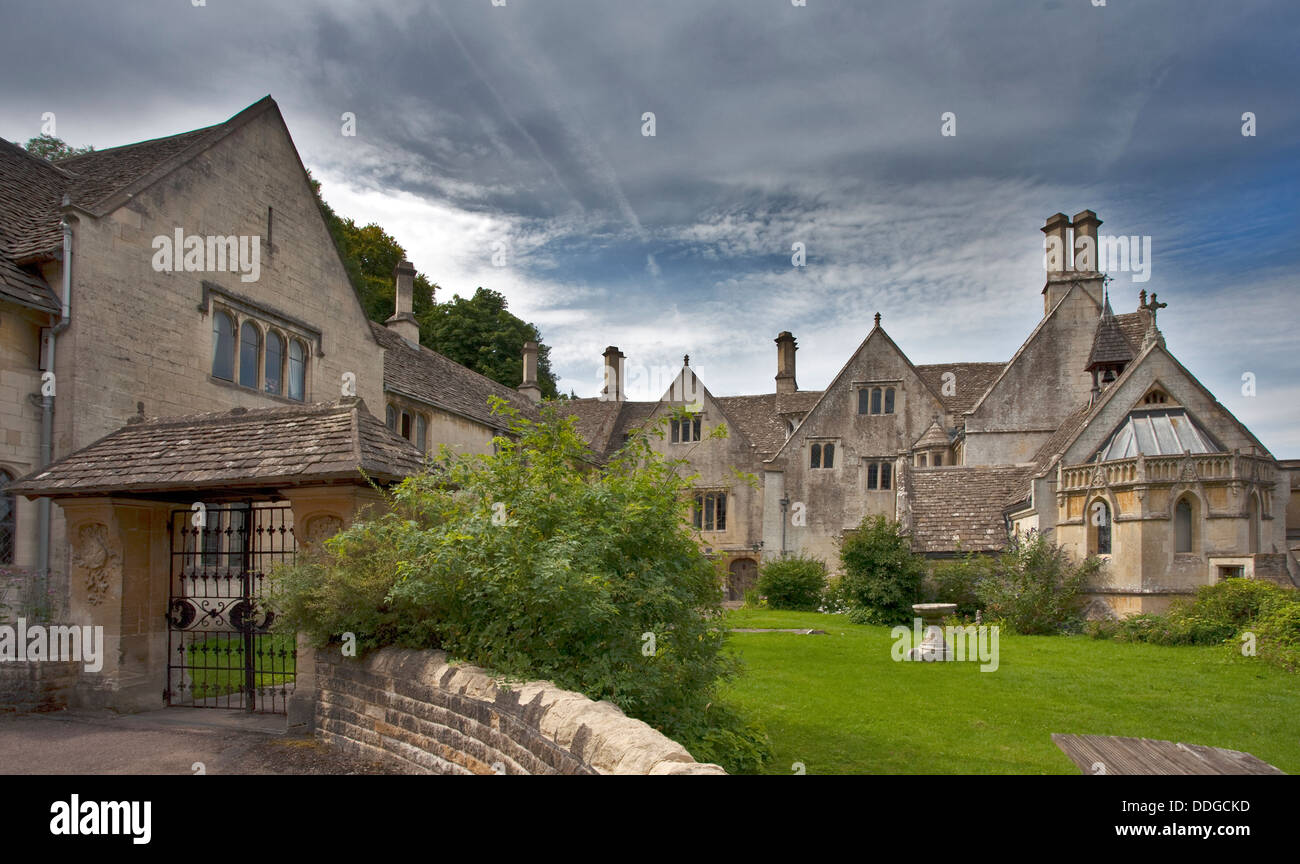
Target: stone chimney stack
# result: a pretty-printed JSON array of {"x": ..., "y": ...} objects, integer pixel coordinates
[
  {"x": 1085, "y": 242},
  {"x": 785, "y": 348},
  {"x": 613, "y": 391},
  {"x": 1070, "y": 258},
  {"x": 529, "y": 387},
  {"x": 403, "y": 322}
]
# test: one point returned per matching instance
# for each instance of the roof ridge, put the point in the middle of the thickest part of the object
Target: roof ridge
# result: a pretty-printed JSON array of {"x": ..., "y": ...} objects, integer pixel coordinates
[{"x": 41, "y": 160}]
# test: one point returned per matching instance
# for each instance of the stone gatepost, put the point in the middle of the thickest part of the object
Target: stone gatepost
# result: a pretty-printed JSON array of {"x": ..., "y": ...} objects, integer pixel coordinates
[
  {"x": 319, "y": 512},
  {"x": 119, "y": 575}
]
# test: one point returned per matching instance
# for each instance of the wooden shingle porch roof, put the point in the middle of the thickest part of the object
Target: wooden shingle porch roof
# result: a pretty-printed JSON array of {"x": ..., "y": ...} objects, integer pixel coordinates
[{"x": 325, "y": 443}]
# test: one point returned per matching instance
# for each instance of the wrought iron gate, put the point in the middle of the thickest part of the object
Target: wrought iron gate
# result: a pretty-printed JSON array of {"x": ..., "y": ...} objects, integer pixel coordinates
[{"x": 221, "y": 653}]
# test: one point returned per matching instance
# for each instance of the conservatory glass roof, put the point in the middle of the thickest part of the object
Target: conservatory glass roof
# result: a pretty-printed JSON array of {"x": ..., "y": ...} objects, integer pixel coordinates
[{"x": 1164, "y": 432}]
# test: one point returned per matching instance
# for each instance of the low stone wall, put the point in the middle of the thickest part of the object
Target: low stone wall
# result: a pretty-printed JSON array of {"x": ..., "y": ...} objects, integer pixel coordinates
[
  {"x": 43, "y": 686},
  {"x": 415, "y": 709}
]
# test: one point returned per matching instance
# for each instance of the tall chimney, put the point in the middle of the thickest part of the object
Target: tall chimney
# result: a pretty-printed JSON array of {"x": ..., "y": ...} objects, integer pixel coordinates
[
  {"x": 613, "y": 391},
  {"x": 529, "y": 387},
  {"x": 785, "y": 348},
  {"x": 403, "y": 322},
  {"x": 1058, "y": 258},
  {"x": 1085, "y": 242}
]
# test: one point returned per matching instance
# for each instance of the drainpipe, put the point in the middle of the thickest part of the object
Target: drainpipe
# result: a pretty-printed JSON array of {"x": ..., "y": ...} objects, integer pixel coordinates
[
  {"x": 785, "y": 505},
  {"x": 43, "y": 505}
]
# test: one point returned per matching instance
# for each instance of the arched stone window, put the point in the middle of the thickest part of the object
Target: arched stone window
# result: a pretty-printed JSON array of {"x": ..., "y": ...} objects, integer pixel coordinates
[
  {"x": 223, "y": 346},
  {"x": 886, "y": 475},
  {"x": 250, "y": 350},
  {"x": 1183, "y": 525},
  {"x": 889, "y": 400},
  {"x": 875, "y": 400},
  {"x": 816, "y": 461},
  {"x": 828, "y": 456},
  {"x": 273, "y": 377},
  {"x": 406, "y": 426},
  {"x": 297, "y": 370},
  {"x": 422, "y": 432},
  {"x": 390, "y": 418},
  {"x": 8, "y": 519},
  {"x": 1099, "y": 524}
]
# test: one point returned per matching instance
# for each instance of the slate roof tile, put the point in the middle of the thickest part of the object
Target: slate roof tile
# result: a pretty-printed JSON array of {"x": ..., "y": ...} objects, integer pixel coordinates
[
  {"x": 331, "y": 441},
  {"x": 960, "y": 508}
]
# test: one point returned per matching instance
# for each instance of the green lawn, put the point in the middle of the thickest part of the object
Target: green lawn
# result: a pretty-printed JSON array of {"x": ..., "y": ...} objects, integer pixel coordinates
[
  {"x": 274, "y": 666},
  {"x": 839, "y": 704}
]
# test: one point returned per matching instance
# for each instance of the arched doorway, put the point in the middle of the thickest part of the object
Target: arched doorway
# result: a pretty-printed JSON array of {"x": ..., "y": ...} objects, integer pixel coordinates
[{"x": 742, "y": 575}]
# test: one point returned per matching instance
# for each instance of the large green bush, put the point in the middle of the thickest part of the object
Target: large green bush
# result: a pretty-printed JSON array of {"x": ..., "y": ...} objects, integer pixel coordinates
[
  {"x": 1033, "y": 586},
  {"x": 534, "y": 564},
  {"x": 882, "y": 575},
  {"x": 954, "y": 581},
  {"x": 1223, "y": 612},
  {"x": 796, "y": 582}
]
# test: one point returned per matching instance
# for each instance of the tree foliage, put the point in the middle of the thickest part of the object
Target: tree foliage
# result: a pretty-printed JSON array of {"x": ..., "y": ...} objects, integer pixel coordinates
[
  {"x": 479, "y": 333},
  {"x": 54, "y": 149},
  {"x": 536, "y": 565},
  {"x": 882, "y": 575}
]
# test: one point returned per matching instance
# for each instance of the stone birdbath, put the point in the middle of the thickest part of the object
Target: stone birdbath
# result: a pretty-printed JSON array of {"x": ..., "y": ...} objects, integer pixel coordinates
[{"x": 933, "y": 647}]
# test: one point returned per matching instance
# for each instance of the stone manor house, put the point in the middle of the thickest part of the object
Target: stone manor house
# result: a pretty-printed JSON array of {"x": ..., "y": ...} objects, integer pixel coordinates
[
  {"x": 1092, "y": 433},
  {"x": 189, "y": 385}
]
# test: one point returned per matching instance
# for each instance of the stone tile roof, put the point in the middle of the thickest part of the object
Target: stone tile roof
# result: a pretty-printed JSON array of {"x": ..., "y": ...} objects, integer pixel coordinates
[
  {"x": 602, "y": 423},
  {"x": 961, "y": 508},
  {"x": 264, "y": 447},
  {"x": 429, "y": 377},
  {"x": 934, "y": 436},
  {"x": 761, "y": 419},
  {"x": 1134, "y": 327},
  {"x": 102, "y": 172},
  {"x": 970, "y": 381},
  {"x": 1109, "y": 344},
  {"x": 25, "y": 287}
]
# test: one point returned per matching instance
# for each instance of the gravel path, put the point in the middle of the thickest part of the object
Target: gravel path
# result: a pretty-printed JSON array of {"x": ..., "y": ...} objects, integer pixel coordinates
[{"x": 170, "y": 741}]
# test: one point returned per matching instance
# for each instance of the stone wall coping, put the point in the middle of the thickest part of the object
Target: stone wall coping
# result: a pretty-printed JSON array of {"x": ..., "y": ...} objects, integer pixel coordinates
[{"x": 598, "y": 734}]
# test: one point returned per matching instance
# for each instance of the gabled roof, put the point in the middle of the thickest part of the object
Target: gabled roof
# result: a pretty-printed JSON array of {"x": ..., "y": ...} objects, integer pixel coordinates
[
  {"x": 959, "y": 508},
  {"x": 429, "y": 377},
  {"x": 934, "y": 436},
  {"x": 266, "y": 447},
  {"x": 845, "y": 368}
]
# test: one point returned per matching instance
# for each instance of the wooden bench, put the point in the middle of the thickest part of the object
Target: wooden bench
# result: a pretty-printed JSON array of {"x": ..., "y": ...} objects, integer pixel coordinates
[{"x": 1104, "y": 754}]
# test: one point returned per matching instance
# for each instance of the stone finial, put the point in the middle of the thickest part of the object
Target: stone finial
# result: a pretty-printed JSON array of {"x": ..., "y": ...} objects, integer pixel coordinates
[
  {"x": 686, "y": 359},
  {"x": 877, "y": 319}
]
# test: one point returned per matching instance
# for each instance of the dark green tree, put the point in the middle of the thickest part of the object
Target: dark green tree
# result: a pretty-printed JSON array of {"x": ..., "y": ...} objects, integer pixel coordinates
[{"x": 479, "y": 333}]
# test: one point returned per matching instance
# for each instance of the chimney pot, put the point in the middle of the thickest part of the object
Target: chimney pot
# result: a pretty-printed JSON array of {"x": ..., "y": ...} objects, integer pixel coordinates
[
  {"x": 529, "y": 387},
  {"x": 785, "y": 365},
  {"x": 403, "y": 322},
  {"x": 614, "y": 382}
]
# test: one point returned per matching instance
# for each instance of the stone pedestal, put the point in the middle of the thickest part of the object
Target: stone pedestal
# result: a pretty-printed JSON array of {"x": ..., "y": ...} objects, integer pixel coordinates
[{"x": 933, "y": 647}]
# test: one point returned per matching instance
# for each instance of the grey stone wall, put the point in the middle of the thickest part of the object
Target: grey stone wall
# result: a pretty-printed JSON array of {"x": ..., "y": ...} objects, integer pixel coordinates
[
  {"x": 42, "y": 686},
  {"x": 416, "y": 710}
]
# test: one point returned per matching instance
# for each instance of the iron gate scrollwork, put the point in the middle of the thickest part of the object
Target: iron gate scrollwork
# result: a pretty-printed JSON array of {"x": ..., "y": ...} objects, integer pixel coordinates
[{"x": 221, "y": 651}]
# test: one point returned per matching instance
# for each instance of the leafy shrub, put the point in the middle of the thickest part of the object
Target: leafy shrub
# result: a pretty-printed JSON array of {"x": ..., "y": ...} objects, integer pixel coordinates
[
  {"x": 531, "y": 563},
  {"x": 796, "y": 582},
  {"x": 954, "y": 581},
  {"x": 1278, "y": 631},
  {"x": 882, "y": 575},
  {"x": 1034, "y": 586},
  {"x": 1235, "y": 603}
]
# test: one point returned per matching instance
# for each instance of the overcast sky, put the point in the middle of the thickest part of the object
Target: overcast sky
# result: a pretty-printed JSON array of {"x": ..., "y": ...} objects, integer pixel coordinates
[{"x": 518, "y": 129}]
